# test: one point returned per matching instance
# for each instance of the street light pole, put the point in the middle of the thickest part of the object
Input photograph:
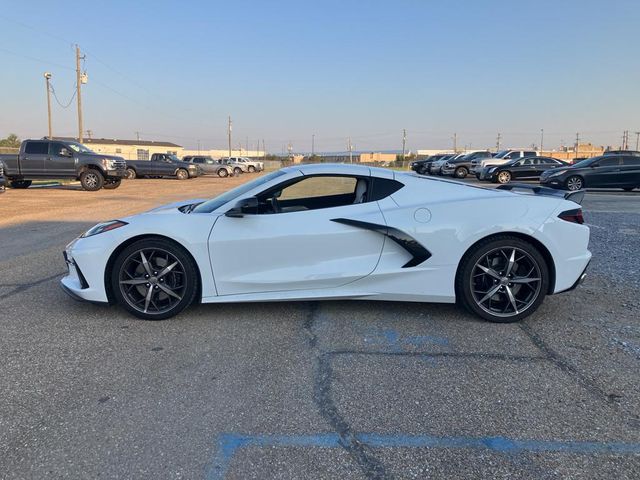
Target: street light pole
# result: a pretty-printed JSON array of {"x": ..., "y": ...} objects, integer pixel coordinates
[
  {"x": 47, "y": 77},
  {"x": 541, "y": 139},
  {"x": 313, "y": 145}
]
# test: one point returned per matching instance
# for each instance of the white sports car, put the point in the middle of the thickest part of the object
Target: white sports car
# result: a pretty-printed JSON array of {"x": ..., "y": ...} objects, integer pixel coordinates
[{"x": 314, "y": 232}]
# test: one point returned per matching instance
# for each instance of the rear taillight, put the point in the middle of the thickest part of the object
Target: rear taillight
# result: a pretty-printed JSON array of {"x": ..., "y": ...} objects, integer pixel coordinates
[{"x": 574, "y": 216}]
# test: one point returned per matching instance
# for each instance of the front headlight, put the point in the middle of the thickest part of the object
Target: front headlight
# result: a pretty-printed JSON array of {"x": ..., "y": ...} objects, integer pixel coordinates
[
  {"x": 108, "y": 163},
  {"x": 555, "y": 174},
  {"x": 103, "y": 227}
]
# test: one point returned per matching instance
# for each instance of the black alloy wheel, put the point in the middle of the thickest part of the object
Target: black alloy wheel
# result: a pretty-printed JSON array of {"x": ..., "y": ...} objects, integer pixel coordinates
[
  {"x": 503, "y": 280},
  {"x": 154, "y": 279}
]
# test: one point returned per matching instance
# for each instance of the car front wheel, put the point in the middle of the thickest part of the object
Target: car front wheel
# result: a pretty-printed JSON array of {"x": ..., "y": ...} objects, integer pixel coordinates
[
  {"x": 182, "y": 174},
  {"x": 502, "y": 279},
  {"x": 504, "y": 177},
  {"x": 154, "y": 279},
  {"x": 461, "y": 172},
  {"x": 574, "y": 183},
  {"x": 91, "y": 180}
]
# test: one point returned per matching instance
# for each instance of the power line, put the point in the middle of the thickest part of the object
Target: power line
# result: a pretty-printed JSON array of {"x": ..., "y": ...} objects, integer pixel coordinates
[{"x": 53, "y": 91}]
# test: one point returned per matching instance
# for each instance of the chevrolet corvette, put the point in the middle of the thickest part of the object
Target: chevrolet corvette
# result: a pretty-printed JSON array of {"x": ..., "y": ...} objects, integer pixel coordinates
[{"x": 339, "y": 231}]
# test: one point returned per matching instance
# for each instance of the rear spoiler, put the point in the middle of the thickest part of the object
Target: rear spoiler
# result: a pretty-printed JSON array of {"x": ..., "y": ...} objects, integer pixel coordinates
[{"x": 576, "y": 196}]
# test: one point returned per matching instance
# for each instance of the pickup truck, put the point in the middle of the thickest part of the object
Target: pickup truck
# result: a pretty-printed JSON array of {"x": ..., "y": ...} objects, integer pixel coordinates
[
  {"x": 62, "y": 159},
  {"x": 244, "y": 164},
  {"x": 161, "y": 165}
]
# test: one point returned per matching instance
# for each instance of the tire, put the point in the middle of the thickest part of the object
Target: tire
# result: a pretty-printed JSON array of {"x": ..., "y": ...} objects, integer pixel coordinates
[
  {"x": 461, "y": 172},
  {"x": 131, "y": 174},
  {"x": 91, "y": 180},
  {"x": 237, "y": 171},
  {"x": 474, "y": 283},
  {"x": 20, "y": 184},
  {"x": 252, "y": 169},
  {"x": 503, "y": 177},
  {"x": 112, "y": 184},
  {"x": 223, "y": 173},
  {"x": 182, "y": 279},
  {"x": 574, "y": 183},
  {"x": 182, "y": 174}
]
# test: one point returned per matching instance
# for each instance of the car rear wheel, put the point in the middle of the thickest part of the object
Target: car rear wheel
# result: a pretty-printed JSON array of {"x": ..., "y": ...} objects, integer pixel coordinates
[
  {"x": 112, "y": 184},
  {"x": 574, "y": 183},
  {"x": 503, "y": 279},
  {"x": 182, "y": 174},
  {"x": 223, "y": 173},
  {"x": 154, "y": 279},
  {"x": 130, "y": 174},
  {"x": 91, "y": 180},
  {"x": 20, "y": 183},
  {"x": 504, "y": 177},
  {"x": 237, "y": 171},
  {"x": 461, "y": 172}
]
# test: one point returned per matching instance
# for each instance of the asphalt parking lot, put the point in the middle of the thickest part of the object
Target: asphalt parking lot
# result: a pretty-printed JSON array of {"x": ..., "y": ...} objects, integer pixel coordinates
[{"x": 310, "y": 389}]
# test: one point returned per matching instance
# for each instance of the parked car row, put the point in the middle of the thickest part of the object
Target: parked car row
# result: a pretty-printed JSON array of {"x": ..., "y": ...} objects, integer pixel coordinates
[
  {"x": 64, "y": 159},
  {"x": 614, "y": 169}
]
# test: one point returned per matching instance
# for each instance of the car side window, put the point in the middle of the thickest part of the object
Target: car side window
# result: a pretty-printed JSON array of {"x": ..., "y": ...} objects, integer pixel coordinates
[
  {"x": 630, "y": 161},
  {"x": 319, "y": 187},
  {"x": 609, "y": 162},
  {"x": 313, "y": 193},
  {"x": 55, "y": 148},
  {"x": 37, "y": 148}
]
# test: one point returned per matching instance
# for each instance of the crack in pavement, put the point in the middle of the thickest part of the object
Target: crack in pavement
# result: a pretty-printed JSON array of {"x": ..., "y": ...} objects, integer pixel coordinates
[
  {"x": 371, "y": 466},
  {"x": 21, "y": 287}
]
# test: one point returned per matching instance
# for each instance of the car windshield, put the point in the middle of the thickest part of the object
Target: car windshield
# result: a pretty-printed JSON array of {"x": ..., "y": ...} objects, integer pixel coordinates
[
  {"x": 173, "y": 158},
  {"x": 216, "y": 202},
  {"x": 78, "y": 147},
  {"x": 585, "y": 163},
  {"x": 502, "y": 153}
]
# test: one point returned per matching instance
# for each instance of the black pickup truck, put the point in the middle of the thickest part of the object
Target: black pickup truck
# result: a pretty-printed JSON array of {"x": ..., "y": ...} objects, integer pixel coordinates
[
  {"x": 162, "y": 165},
  {"x": 62, "y": 159}
]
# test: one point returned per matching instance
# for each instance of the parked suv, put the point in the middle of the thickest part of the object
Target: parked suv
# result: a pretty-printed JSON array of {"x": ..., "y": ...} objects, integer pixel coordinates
[
  {"x": 62, "y": 159},
  {"x": 435, "y": 168},
  {"x": 606, "y": 171},
  {"x": 208, "y": 165},
  {"x": 501, "y": 157},
  {"x": 422, "y": 166},
  {"x": 246, "y": 164},
  {"x": 460, "y": 167}
]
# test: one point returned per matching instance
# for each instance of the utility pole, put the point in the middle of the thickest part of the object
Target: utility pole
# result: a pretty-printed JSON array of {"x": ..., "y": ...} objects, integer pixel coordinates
[
  {"x": 229, "y": 127},
  {"x": 137, "y": 135},
  {"x": 637, "y": 140},
  {"x": 625, "y": 140},
  {"x": 47, "y": 77},
  {"x": 541, "y": 138},
  {"x": 80, "y": 79},
  {"x": 264, "y": 149},
  {"x": 247, "y": 146},
  {"x": 404, "y": 142},
  {"x": 290, "y": 150},
  {"x": 455, "y": 143},
  {"x": 90, "y": 134},
  {"x": 313, "y": 145},
  {"x": 577, "y": 143},
  {"x": 198, "y": 147},
  {"x": 498, "y": 141}
]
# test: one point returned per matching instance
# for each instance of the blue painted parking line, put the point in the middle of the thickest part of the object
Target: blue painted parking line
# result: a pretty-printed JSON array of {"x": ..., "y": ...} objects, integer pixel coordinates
[{"x": 229, "y": 443}]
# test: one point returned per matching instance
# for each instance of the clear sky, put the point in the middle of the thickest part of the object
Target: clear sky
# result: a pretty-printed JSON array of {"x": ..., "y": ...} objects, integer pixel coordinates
[{"x": 285, "y": 70}]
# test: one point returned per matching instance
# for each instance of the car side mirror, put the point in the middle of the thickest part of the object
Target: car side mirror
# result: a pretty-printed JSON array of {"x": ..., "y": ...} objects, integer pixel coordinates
[{"x": 244, "y": 206}]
